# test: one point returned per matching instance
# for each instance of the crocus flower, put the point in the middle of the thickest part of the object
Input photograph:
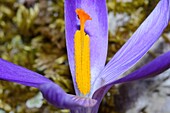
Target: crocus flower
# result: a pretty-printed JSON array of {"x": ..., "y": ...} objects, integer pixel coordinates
[{"x": 87, "y": 42}]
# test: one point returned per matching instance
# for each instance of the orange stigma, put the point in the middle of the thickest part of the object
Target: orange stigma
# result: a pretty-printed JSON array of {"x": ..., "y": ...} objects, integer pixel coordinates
[
  {"x": 82, "y": 54},
  {"x": 83, "y": 16}
]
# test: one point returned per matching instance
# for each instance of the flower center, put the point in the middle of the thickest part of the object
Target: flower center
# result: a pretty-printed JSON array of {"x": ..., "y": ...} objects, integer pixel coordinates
[{"x": 82, "y": 54}]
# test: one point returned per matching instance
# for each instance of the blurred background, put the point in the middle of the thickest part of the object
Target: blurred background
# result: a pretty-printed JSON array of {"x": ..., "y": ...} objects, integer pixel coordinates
[{"x": 32, "y": 35}]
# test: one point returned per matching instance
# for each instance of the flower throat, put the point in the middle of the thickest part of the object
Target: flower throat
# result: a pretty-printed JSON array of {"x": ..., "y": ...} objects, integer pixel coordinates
[{"x": 82, "y": 54}]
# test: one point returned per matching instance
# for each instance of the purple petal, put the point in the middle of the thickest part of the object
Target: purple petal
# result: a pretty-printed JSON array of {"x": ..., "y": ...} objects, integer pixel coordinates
[
  {"x": 140, "y": 42},
  {"x": 14, "y": 73},
  {"x": 97, "y": 29},
  {"x": 87, "y": 110},
  {"x": 52, "y": 92},
  {"x": 57, "y": 97},
  {"x": 151, "y": 69}
]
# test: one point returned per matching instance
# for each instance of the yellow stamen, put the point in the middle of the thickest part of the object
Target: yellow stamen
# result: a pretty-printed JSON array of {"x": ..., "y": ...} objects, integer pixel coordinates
[{"x": 82, "y": 54}]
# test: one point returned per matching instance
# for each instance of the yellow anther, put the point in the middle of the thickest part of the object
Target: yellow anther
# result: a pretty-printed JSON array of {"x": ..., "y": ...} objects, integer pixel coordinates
[{"x": 82, "y": 54}]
